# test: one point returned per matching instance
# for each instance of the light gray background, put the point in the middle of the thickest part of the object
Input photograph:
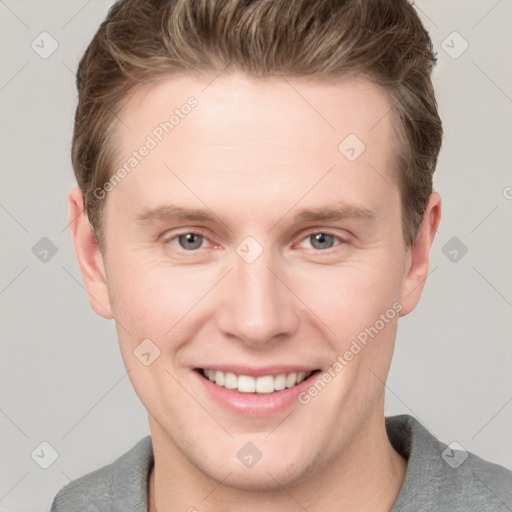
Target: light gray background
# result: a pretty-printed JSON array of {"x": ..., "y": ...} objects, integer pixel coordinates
[{"x": 62, "y": 376}]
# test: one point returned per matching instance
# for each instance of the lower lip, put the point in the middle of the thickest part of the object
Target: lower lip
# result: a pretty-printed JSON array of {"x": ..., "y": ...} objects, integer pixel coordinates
[{"x": 251, "y": 404}]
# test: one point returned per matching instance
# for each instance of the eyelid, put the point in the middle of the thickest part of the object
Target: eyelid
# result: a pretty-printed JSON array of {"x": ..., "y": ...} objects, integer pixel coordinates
[
  {"x": 316, "y": 231},
  {"x": 168, "y": 236}
]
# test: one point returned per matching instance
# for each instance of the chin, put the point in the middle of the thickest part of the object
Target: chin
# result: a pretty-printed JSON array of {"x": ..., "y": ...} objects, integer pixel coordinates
[
  {"x": 263, "y": 481},
  {"x": 269, "y": 476}
]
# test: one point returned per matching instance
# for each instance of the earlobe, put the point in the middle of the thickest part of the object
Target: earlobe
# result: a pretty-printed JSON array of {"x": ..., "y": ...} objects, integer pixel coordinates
[
  {"x": 417, "y": 263},
  {"x": 89, "y": 256}
]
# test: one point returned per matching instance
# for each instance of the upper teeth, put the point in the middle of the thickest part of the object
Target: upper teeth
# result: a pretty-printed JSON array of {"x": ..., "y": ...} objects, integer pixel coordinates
[{"x": 248, "y": 384}]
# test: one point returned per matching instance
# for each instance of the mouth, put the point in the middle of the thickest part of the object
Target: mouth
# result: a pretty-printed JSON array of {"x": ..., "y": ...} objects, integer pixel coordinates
[{"x": 263, "y": 384}]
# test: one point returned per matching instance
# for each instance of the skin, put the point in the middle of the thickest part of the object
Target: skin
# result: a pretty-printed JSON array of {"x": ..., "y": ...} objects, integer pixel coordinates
[{"x": 256, "y": 154}]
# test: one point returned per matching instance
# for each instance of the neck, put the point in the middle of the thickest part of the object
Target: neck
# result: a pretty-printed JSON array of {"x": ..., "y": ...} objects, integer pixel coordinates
[{"x": 367, "y": 476}]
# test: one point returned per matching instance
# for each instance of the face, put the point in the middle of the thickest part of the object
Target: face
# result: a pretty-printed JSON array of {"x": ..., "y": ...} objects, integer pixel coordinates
[{"x": 259, "y": 254}]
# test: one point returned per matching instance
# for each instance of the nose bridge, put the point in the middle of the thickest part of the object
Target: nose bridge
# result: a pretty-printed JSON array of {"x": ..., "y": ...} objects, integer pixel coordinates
[{"x": 257, "y": 307}]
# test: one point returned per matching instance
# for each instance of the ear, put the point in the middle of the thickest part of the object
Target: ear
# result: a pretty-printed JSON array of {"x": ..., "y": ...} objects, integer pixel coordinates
[
  {"x": 417, "y": 258},
  {"x": 89, "y": 256}
]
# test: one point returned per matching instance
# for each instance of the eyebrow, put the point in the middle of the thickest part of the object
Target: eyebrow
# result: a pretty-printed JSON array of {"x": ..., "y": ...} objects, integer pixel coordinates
[
  {"x": 330, "y": 213},
  {"x": 335, "y": 212},
  {"x": 174, "y": 212}
]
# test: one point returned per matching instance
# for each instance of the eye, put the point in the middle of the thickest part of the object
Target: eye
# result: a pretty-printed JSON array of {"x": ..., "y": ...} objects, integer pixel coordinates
[
  {"x": 188, "y": 241},
  {"x": 321, "y": 241}
]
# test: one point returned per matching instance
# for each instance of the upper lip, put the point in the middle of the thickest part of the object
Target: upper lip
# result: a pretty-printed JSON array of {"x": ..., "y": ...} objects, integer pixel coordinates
[{"x": 261, "y": 371}]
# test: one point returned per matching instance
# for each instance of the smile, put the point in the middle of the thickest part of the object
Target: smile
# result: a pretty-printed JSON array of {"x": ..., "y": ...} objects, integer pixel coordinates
[{"x": 264, "y": 384}]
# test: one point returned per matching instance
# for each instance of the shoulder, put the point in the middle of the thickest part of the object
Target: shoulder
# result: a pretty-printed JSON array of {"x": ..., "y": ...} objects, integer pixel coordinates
[
  {"x": 120, "y": 484},
  {"x": 445, "y": 477}
]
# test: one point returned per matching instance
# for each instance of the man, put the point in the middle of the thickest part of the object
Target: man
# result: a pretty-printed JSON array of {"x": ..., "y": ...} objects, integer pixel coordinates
[{"x": 255, "y": 211}]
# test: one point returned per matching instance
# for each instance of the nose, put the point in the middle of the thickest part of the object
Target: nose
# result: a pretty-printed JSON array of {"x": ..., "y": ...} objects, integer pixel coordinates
[{"x": 258, "y": 308}]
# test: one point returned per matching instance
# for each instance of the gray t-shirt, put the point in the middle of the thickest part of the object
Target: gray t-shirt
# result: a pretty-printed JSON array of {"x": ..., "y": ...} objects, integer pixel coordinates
[{"x": 438, "y": 478}]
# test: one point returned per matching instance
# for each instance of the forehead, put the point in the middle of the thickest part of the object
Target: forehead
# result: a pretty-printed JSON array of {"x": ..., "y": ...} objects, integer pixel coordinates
[
  {"x": 227, "y": 132},
  {"x": 231, "y": 101}
]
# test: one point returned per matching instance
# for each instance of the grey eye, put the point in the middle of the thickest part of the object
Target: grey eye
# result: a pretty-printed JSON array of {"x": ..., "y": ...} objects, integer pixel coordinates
[
  {"x": 322, "y": 241},
  {"x": 190, "y": 241}
]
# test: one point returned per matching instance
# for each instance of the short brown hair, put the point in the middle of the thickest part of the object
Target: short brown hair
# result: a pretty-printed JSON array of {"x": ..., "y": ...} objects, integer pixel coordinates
[{"x": 143, "y": 40}]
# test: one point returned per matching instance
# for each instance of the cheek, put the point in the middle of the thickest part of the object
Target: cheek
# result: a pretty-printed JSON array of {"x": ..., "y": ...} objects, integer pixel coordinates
[
  {"x": 348, "y": 299},
  {"x": 151, "y": 299},
  {"x": 156, "y": 300},
  {"x": 152, "y": 307}
]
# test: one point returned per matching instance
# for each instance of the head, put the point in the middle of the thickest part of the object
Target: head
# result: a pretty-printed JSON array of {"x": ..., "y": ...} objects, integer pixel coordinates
[{"x": 256, "y": 186}]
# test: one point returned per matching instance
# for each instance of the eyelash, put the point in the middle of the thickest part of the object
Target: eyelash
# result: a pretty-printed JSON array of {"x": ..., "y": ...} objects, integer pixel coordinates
[
  {"x": 189, "y": 232},
  {"x": 341, "y": 241}
]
